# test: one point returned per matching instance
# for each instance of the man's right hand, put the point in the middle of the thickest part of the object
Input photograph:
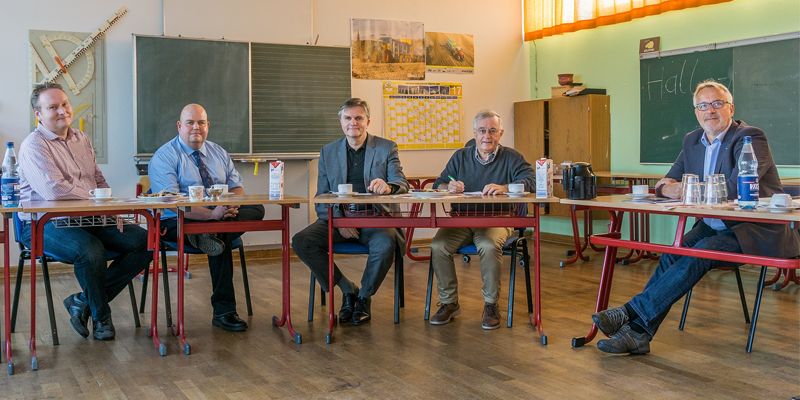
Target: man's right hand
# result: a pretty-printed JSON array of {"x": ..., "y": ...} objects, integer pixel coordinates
[
  {"x": 455, "y": 186},
  {"x": 219, "y": 212},
  {"x": 669, "y": 187},
  {"x": 348, "y": 233}
]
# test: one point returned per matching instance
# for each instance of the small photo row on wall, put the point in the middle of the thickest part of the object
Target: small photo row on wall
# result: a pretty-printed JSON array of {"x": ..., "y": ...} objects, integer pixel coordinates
[{"x": 402, "y": 50}]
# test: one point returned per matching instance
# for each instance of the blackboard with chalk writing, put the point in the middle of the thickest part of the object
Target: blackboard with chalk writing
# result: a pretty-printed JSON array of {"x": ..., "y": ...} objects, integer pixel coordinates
[{"x": 763, "y": 75}]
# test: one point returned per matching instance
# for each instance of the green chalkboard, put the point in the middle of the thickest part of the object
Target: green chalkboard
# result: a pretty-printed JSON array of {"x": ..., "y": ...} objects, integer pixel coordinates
[
  {"x": 172, "y": 72},
  {"x": 763, "y": 75}
]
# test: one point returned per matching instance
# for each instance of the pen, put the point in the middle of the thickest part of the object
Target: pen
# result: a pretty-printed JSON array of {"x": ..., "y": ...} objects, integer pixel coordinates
[{"x": 451, "y": 177}]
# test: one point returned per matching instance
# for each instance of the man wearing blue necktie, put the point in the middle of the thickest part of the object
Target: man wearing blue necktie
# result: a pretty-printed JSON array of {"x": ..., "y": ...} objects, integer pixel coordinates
[{"x": 188, "y": 160}]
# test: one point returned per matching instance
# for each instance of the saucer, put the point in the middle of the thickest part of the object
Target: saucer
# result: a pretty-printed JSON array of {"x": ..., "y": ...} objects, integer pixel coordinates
[
  {"x": 102, "y": 199},
  {"x": 344, "y": 194},
  {"x": 518, "y": 194},
  {"x": 639, "y": 196},
  {"x": 781, "y": 210}
]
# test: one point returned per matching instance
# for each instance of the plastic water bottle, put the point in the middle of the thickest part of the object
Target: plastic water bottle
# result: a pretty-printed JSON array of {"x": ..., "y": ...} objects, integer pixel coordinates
[
  {"x": 747, "y": 181},
  {"x": 9, "y": 183}
]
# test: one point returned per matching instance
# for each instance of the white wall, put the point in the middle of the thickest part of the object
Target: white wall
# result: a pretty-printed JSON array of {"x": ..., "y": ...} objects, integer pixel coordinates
[{"x": 502, "y": 72}]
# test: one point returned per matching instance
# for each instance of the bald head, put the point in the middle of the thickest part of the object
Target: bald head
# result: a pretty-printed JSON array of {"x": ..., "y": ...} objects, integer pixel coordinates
[{"x": 193, "y": 125}]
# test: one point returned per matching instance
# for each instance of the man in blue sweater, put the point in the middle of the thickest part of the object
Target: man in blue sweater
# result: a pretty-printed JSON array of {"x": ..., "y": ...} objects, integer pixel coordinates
[{"x": 485, "y": 167}]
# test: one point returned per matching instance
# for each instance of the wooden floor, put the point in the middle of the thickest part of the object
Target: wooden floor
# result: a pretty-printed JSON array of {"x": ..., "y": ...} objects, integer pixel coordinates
[{"x": 414, "y": 360}]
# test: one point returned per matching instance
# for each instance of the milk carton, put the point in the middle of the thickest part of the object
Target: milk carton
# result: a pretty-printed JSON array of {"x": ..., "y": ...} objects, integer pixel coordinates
[
  {"x": 544, "y": 178},
  {"x": 276, "y": 179}
]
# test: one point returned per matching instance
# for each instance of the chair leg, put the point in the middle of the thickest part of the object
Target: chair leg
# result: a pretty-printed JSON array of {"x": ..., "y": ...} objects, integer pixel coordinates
[
  {"x": 49, "y": 293},
  {"x": 512, "y": 275},
  {"x": 145, "y": 279},
  {"x": 312, "y": 290},
  {"x": 322, "y": 297},
  {"x": 741, "y": 295},
  {"x": 428, "y": 292},
  {"x": 132, "y": 293},
  {"x": 685, "y": 309},
  {"x": 400, "y": 269},
  {"x": 398, "y": 278},
  {"x": 526, "y": 265},
  {"x": 246, "y": 282},
  {"x": 165, "y": 279},
  {"x": 15, "y": 303},
  {"x": 759, "y": 292}
]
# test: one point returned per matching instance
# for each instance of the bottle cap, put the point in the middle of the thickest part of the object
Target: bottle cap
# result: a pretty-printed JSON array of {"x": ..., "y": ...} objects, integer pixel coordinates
[
  {"x": 748, "y": 139},
  {"x": 9, "y": 144}
]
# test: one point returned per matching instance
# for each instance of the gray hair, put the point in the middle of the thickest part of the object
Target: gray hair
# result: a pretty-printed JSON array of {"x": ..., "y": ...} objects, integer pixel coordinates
[
  {"x": 354, "y": 102},
  {"x": 39, "y": 88},
  {"x": 483, "y": 114},
  {"x": 710, "y": 83}
]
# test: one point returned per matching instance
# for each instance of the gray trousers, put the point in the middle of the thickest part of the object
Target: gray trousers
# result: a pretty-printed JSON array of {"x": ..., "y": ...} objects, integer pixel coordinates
[
  {"x": 311, "y": 245},
  {"x": 489, "y": 242}
]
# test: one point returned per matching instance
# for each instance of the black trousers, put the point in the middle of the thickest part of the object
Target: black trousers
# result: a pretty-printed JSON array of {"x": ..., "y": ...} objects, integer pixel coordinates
[{"x": 223, "y": 297}]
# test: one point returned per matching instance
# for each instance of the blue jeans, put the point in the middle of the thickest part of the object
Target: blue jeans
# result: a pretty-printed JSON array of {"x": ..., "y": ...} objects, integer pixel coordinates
[
  {"x": 676, "y": 275},
  {"x": 89, "y": 249}
]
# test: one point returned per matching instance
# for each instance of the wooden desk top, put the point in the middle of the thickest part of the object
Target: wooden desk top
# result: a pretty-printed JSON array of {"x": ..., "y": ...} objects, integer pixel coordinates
[
  {"x": 407, "y": 198},
  {"x": 248, "y": 199},
  {"x": 91, "y": 205},
  {"x": 623, "y": 202}
]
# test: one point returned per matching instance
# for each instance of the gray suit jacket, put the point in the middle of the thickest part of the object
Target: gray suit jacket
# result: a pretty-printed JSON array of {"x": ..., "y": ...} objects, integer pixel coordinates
[
  {"x": 762, "y": 239},
  {"x": 380, "y": 161}
]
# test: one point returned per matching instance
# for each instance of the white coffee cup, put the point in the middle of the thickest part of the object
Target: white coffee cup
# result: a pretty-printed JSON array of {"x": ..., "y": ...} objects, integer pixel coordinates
[
  {"x": 640, "y": 190},
  {"x": 516, "y": 187},
  {"x": 100, "y": 193},
  {"x": 345, "y": 188},
  {"x": 196, "y": 193},
  {"x": 222, "y": 186},
  {"x": 780, "y": 200}
]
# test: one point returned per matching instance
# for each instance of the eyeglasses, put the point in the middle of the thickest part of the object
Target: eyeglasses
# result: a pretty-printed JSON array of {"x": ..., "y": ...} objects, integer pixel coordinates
[
  {"x": 490, "y": 131},
  {"x": 717, "y": 104}
]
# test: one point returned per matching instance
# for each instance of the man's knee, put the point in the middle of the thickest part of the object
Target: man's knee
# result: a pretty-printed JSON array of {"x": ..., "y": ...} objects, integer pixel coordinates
[
  {"x": 488, "y": 246},
  {"x": 383, "y": 243}
]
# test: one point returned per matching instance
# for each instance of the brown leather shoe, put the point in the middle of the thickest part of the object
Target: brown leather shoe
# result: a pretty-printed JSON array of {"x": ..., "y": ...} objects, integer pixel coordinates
[
  {"x": 445, "y": 314},
  {"x": 491, "y": 317}
]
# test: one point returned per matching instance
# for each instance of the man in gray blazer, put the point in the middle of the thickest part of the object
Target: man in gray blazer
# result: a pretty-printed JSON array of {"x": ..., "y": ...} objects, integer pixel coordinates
[
  {"x": 370, "y": 164},
  {"x": 712, "y": 149}
]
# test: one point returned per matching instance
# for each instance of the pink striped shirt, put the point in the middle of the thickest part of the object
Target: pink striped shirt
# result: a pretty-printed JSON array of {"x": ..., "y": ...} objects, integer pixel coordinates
[{"x": 52, "y": 168}]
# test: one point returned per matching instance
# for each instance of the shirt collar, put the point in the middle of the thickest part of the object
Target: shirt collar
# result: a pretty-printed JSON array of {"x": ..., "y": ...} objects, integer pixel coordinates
[
  {"x": 189, "y": 150},
  {"x": 50, "y": 135},
  {"x": 491, "y": 156}
]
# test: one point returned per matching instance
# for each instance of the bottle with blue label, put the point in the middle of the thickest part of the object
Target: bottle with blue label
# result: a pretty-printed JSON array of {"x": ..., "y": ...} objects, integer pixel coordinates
[
  {"x": 747, "y": 181},
  {"x": 9, "y": 183}
]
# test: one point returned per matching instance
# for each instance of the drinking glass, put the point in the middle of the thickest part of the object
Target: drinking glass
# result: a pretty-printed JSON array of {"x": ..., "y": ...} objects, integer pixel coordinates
[
  {"x": 693, "y": 193},
  {"x": 686, "y": 180}
]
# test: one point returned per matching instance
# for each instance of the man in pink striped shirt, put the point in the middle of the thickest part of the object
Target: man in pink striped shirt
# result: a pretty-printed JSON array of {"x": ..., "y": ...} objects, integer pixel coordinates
[{"x": 57, "y": 162}]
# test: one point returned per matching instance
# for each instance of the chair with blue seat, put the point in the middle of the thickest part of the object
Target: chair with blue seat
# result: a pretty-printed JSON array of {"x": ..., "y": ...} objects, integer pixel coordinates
[
  {"x": 25, "y": 254},
  {"x": 236, "y": 244},
  {"x": 515, "y": 245},
  {"x": 356, "y": 248}
]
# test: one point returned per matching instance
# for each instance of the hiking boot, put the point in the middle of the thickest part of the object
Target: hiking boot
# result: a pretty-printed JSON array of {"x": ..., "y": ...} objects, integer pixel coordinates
[
  {"x": 626, "y": 340},
  {"x": 611, "y": 320},
  {"x": 491, "y": 317},
  {"x": 207, "y": 243},
  {"x": 445, "y": 314}
]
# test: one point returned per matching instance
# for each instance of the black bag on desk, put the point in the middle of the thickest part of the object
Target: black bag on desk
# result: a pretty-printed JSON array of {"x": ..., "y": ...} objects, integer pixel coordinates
[{"x": 579, "y": 181}]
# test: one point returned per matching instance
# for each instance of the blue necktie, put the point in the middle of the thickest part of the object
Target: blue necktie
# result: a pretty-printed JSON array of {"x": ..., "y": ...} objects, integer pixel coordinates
[{"x": 201, "y": 166}]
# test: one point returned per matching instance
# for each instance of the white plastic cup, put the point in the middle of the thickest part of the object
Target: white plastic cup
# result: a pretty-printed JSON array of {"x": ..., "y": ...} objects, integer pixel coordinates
[
  {"x": 345, "y": 188},
  {"x": 516, "y": 187},
  {"x": 100, "y": 193},
  {"x": 196, "y": 193}
]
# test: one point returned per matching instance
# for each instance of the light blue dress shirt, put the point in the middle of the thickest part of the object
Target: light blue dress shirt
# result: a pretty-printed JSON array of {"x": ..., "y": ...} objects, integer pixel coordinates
[
  {"x": 709, "y": 164},
  {"x": 172, "y": 168}
]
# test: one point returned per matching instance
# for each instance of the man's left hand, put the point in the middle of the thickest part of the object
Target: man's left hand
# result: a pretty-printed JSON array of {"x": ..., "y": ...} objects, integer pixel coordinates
[
  {"x": 231, "y": 212},
  {"x": 379, "y": 186},
  {"x": 494, "y": 188}
]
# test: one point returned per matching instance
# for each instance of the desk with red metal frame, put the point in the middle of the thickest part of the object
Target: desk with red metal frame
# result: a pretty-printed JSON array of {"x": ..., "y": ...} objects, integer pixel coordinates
[
  {"x": 280, "y": 224},
  {"x": 4, "y": 230},
  {"x": 435, "y": 221},
  {"x": 617, "y": 206},
  {"x": 639, "y": 224},
  {"x": 417, "y": 183},
  {"x": 87, "y": 208}
]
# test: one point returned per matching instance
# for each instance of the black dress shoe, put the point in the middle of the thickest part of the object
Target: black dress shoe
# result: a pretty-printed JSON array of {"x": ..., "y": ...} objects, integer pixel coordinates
[
  {"x": 348, "y": 304},
  {"x": 230, "y": 322},
  {"x": 361, "y": 313},
  {"x": 103, "y": 330},
  {"x": 78, "y": 314}
]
